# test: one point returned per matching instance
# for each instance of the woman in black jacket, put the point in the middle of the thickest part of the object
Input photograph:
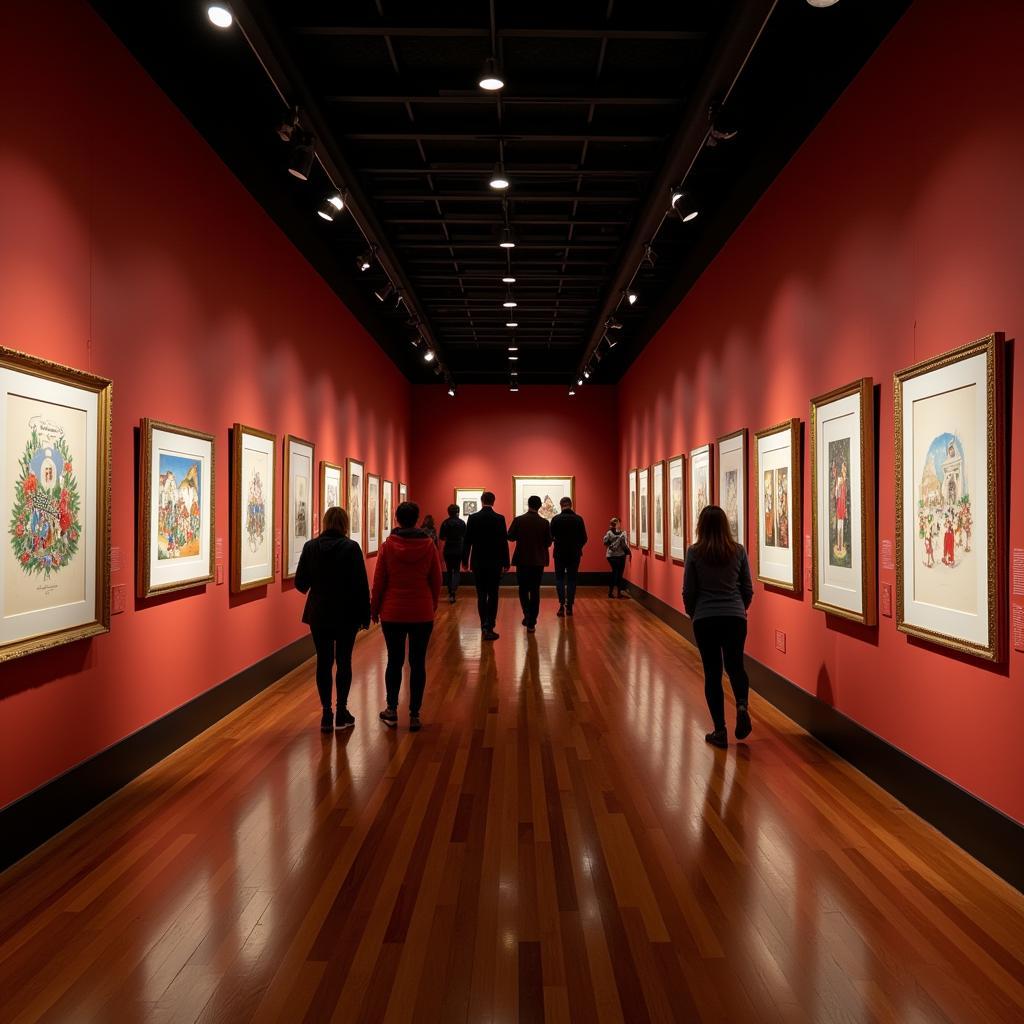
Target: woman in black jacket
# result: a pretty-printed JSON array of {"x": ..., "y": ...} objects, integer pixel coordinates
[{"x": 332, "y": 573}]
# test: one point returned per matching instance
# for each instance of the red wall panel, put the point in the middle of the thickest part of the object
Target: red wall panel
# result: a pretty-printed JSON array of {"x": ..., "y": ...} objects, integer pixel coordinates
[
  {"x": 486, "y": 435},
  {"x": 128, "y": 249},
  {"x": 894, "y": 234}
]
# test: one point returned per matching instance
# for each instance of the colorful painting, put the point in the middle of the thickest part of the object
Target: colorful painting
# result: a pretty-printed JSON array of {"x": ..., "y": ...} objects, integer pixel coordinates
[
  {"x": 550, "y": 490},
  {"x": 297, "y": 505},
  {"x": 778, "y": 505},
  {"x": 180, "y": 516},
  {"x": 252, "y": 522},
  {"x": 732, "y": 481},
  {"x": 256, "y": 506},
  {"x": 768, "y": 508},
  {"x": 840, "y": 552},
  {"x": 731, "y": 500},
  {"x": 700, "y": 486}
]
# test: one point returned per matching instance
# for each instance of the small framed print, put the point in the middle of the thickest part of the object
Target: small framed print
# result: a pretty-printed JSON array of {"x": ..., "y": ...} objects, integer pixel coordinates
[
  {"x": 254, "y": 469},
  {"x": 732, "y": 482},
  {"x": 658, "y": 508},
  {"x": 468, "y": 500},
  {"x": 176, "y": 508},
  {"x": 949, "y": 425},
  {"x": 332, "y": 487},
  {"x": 355, "y": 480},
  {"x": 643, "y": 491},
  {"x": 777, "y": 473},
  {"x": 701, "y": 486},
  {"x": 842, "y": 429},
  {"x": 372, "y": 513},
  {"x": 403, "y": 493},
  {"x": 299, "y": 460},
  {"x": 387, "y": 512},
  {"x": 677, "y": 508},
  {"x": 55, "y": 479},
  {"x": 550, "y": 489},
  {"x": 631, "y": 491}
]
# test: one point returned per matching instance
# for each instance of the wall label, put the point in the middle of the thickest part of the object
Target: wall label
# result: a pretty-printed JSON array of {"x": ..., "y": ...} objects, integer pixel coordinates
[
  {"x": 887, "y": 600},
  {"x": 1018, "y": 627},
  {"x": 118, "y": 598},
  {"x": 1018, "y": 572},
  {"x": 220, "y": 549},
  {"x": 780, "y": 641},
  {"x": 115, "y": 559},
  {"x": 887, "y": 561}
]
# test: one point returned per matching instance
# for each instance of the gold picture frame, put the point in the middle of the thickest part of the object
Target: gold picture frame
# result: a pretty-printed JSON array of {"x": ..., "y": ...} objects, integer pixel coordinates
[
  {"x": 290, "y": 556},
  {"x": 241, "y": 581},
  {"x": 727, "y": 446},
  {"x": 516, "y": 511},
  {"x": 680, "y": 558},
  {"x": 325, "y": 468},
  {"x": 793, "y": 512},
  {"x": 659, "y": 471},
  {"x": 862, "y": 391},
  {"x": 45, "y": 383},
  {"x": 910, "y": 390}
]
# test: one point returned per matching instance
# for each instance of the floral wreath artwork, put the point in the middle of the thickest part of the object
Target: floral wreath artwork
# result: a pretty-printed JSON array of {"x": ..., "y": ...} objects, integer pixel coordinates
[
  {"x": 256, "y": 513},
  {"x": 45, "y": 525}
]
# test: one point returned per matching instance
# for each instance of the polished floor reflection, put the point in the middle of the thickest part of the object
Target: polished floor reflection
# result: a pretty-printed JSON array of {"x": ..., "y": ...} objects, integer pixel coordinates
[{"x": 557, "y": 844}]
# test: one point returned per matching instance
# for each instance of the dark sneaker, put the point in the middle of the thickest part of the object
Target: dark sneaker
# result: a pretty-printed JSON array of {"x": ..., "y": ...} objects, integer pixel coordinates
[
  {"x": 414, "y": 723},
  {"x": 611, "y": 591},
  {"x": 489, "y": 634},
  {"x": 531, "y": 629},
  {"x": 526, "y": 622},
  {"x": 568, "y": 609},
  {"x": 343, "y": 720},
  {"x": 561, "y": 611},
  {"x": 743, "y": 725},
  {"x": 451, "y": 599},
  {"x": 718, "y": 738},
  {"x": 389, "y": 716},
  {"x": 327, "y": 721}
]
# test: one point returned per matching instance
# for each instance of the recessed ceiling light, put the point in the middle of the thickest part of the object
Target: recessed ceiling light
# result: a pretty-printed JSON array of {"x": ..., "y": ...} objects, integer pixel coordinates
[
  {"x": 509, "y": 304},
  {"x": 491, "y": 78},
  {"x": 513, "y": 388},
  {"x": 220, "y": 15},
  {"x": 507, "y": 241},
  {"x": 513, "y": 348},
  {"x": 512, "y": 359},
  {"x": 508, "y": 280},
  {"x": 512, "y": 323}
]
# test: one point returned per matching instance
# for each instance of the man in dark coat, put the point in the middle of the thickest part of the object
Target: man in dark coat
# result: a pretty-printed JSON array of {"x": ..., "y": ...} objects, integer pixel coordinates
[
  {"x": 569, "y": 533},
  {"x": 532, "y": 535},
  {"x": 485, "y": 551},
  {"x": 452, "y": 537}
]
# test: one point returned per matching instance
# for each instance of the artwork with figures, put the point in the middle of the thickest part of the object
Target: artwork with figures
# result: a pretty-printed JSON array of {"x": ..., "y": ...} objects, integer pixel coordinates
[
  {"x": 332, "y": 479},
  {"x": 732, "y": 481},
  {"x": 252, "y": 517},
  {"x": 355, "y": 479},
  {"x": 468, "y": 500},
  {"x": 643, "y": 511},
  {"x": 777, "y": 452},
  {"x": 631, "y": 489},
  {"x": 403, "y": 493},
  {"x": 677, "y": 508},
  {"x": 386, "y": 511},
  {"x": 842, "y": 501},
  {"x": 701, "y": 486},
  {"x": 550, "y": 490},
  {"x": 299, "y": 460},
  {"x": 658, "y": 500},
  {"x": 175, "y": 508},
  {"x": 949, "y": 441},
  {"x": 55, "y": 482},
  {"x": 372, "y": 513}
]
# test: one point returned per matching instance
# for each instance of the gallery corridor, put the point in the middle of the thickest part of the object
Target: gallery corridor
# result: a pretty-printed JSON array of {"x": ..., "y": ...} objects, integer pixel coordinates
[{"x": 558, "y": 844}]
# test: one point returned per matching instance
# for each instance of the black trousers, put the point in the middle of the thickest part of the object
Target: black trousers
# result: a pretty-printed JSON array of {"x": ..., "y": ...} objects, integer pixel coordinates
[
  {"x": 529, "y": 577},
  {"x": 566, "y": 570},
  {"x": 334, "y": 645},
  {"x": 487, "y": 581},
  {"x": 618, "y": 567},
  {"x": 721, "y": 639},
  {"x": 395, "y": 636},
  {"x": 452, "y": 574}
]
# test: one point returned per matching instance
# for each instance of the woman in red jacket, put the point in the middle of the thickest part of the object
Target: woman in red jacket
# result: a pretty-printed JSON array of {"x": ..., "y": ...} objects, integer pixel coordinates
[{"x": 406, "y": 585}]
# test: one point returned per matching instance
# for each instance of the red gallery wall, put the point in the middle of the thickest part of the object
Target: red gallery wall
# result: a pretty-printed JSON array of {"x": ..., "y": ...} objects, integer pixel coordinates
[
  {"x": 163, "y": 274},
  {"x": 486, "y": 435},
  {"x": 893, "y": 235}
]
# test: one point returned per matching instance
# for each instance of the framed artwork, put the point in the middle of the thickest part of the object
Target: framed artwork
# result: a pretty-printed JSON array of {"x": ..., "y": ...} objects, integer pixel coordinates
[
  {"x": 550, "y": 489},
  {"x": 732, "y": 482},
  {"x": 658, "y": 507},
  {"x": 299, "y": 461},
  {"x": 631, "y": 490},
  {"x": 777, "y": 472},
  {"x": 372, "y": 513},
  {"x": 55, "y": 486},
  {"x": 950, "y": 582},
  {"x": 332, "y": 487},
  {"x": 252, "y": 518},
  {"x": 175, "y": 508},
  {"x": 843, "y": 501},
  {"x": 701, "y": 486},
  {"x": 387, "y": 511},
  {"x": 643, "y": 511},
  {"x": 468, "y": 500},
  {"x": 677, "y": 508},
  {"x": 355, "y": 480},
  {"x": 403, "y": 493}
]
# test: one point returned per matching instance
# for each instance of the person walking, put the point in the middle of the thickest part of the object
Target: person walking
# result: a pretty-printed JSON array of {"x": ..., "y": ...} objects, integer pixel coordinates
[
  {"x": 406, "y": 585},
  {"x": 485, "y": 551},
  {"x": 717, "y": 592},
  {"x": 532, "y": 535},
  {"x": 332, "y": 574},
  {"x": 452, "y": 537},
  {"x": 429, "y": 529},
  {"x": 569, "y": 535},
  {"x": 616, "y": 546}
]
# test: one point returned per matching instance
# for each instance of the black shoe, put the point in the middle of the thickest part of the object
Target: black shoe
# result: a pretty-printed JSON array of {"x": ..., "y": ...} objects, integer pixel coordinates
[
  {"x": 611, "y": 591},
  {"x": 489, "y": 634},
  {"x": 327, "y": 721},
  {"x": 414, "y": 723},
  {"x": 526, "y": 622},
  {"x": 389, "y": 716},
  {"x": 451, "y": 599},
  {"x": 561, "y": 611},
  {"x": 343, "y": 720},
  {"x": 531, "y": 629},
  {"x": 743, "y": 726},
  {"x": 568, "y": 609},
  {"x": 718, "y": 738}
]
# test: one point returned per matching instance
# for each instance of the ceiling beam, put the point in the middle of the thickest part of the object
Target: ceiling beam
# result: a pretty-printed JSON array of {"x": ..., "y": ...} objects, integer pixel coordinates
[
  {"x": 493, "y": 196},
  {"x": 470, "y": 32},
  {"x": 546, "y": 219},
  {"x": 516, "y": 170},
  {"x": 413, "y": 135},
  {"x": 477, "y": 98}
]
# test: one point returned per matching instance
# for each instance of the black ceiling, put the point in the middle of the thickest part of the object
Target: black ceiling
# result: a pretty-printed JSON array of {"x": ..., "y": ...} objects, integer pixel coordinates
[{"x": 606, "y": 105}]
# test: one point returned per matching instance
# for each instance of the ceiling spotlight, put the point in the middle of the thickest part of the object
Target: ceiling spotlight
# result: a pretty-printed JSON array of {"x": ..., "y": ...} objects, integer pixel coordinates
[
  {"x": 586, "y": 375},
  {"x": 611, "y": 341},
  {"x": 510, "y": 304},
  {"x": 572, "y": 391},
  {"x": 490, "y": 77},
  {"x": 512, "y": 359},
  {"x": 451, "y": 390},
  {"x": 822, "y": 3},
  {"x": 512, "y": 323},
  {"x": 649, "y": 257},
  {"x": 498, "y": 180},
  {"x": 300, "y": 162},
  {"x": 428, "y": 356},
  {"x": 513, "y": 348},
  {"x": 332, "y": 205},
  {"x": 579, "y": 383},
  {"x": 611, "y": 324},
  {"x": 513, "y": 389},
  {"x": 507, "y": 241},
  {"x": 384, "y": 293},
  {"x": 683, "y": 206},
  {"x": 631, "y": 297},
  {"x": 513, "y": 373},
  {"x": 508, "y": 280},
  {"x": 287, "y": 129},
  {"x": 365, "y": 261},
  {"x": 220, "y": 15},
  {"x": 415, "y": 340}
]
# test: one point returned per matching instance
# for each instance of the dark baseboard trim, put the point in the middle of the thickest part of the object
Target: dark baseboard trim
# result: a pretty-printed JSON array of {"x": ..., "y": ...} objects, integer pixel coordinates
[
  {"x": 987, "y": 834},
  {"x": 38, "y": 816}
]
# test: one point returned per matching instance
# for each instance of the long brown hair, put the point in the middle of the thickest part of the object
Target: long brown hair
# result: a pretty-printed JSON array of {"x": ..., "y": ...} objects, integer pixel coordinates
[
  {"x": 715, "y": 542},
  {"x": 335, "y": 518}
]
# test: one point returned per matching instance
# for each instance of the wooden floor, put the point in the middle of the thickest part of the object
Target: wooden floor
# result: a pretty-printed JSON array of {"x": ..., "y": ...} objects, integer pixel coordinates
[{"x": 558, "y": 844}]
